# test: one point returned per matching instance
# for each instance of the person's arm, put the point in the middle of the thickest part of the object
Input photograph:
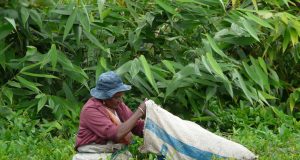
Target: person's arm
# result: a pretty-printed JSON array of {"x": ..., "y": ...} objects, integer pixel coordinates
[{"x": 130, "y": 123}]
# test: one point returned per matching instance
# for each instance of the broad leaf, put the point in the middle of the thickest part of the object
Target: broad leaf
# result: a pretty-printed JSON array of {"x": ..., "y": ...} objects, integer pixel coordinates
[
  {"x": 148, "y": 72},
  {"x": 164, "y": 4},
  {"x": 70, "y": 23},
  {"x": 28, "y": 84},
  {"x": 250, "y": 29}
]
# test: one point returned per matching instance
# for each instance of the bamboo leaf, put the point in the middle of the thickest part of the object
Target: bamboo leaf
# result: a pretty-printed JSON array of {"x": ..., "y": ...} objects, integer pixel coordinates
[
  {"x": 39, "y": 75},
  {"x": 84, "y": 17},
  {"x": 124, "y": 68},
  {"x": 262, "y": 76},
  {"x": 35, "y": 16},
  {"x": 148, "y": 72},
  {"x": 228, "y": 87},
  {"x": 169, "y": 66},
  {"x": 250, "y": 29},
  {"x": 252, "y": 74},
  {"x": 215, "y": 66},
  {"x": 234, "y": 3},
  {"x": 266, "y": 95},
  {"x": 262, "y": 64},
  {"x": 214, "y": 46},
  {"x": 100, "y": 4},
  {"x": 70, "y": 23},
  {"x": 243, "y": 85},
  {"x": 222, "y": 3},
  {"x": 294, "y": 36},
  {"x": 78, "y": 32},
  {"x": 286, "y": 40},
  {"x": 52, "y": 53},
  {"x": 135, "y": 68},
  {"x": 12, "y": 22},
  {"x": 24, "y": 15},
  {"x": 14, "y": 84},
  {"x": 95, "y": 41},
  {"x": 5, "y": 30},
  {"x": 166, "y": 6},
  {"x": 28, "y": 84},
  {"x": 68, "y": 92},
  {"x": 205, "y": 63},
  {"x": 255, "y": 4},
  {"x": 42, "y": 102},
  {"x": 8, "y": 93},
  {"x": 258, "y": 20},
  {"x": 31, "y": 66},
  {"x": 210, "y": 92}
]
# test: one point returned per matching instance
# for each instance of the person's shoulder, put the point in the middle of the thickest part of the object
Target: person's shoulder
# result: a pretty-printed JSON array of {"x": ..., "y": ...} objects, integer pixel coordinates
[{"x": 92, "y": 104}]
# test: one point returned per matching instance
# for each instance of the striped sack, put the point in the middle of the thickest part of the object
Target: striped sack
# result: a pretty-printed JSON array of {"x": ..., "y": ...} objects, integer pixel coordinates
[{"x": 168, "y": 135}]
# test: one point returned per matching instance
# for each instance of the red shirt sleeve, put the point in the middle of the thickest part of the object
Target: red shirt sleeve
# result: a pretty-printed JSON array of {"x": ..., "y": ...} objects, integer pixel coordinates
[
  {"x": 99, "y": 123},
  {"x": 125, "y": 113}
]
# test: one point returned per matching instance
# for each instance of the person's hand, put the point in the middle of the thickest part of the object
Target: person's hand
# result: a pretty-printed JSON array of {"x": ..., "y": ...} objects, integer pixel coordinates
[{"x": 142, "y": 108}]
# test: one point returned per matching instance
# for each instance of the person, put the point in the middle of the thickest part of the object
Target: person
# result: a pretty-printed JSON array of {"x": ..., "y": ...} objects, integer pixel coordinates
[{"x": 106, "y": 123}]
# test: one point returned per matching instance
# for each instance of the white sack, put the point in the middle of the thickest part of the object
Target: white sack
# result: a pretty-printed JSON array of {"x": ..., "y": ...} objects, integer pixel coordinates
[{"x": 175, "y": 138}]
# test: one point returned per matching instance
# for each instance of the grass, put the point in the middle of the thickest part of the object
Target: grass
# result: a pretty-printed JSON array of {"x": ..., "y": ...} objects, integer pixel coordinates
[{"x": 266, "y": 144}]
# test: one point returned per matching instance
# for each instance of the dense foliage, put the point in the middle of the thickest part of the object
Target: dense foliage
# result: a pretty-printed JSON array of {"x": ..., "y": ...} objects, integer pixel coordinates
[{"x": 230, "y": 65}]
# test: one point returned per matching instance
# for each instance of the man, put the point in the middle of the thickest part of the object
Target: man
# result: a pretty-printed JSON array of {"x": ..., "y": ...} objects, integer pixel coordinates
[{"x": 106, "y": 123}]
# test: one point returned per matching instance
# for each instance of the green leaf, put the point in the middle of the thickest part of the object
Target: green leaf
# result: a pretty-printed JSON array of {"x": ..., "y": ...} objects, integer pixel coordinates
[
  {"x": 14, "y": 84},
  {"x": 222, "y": 3},
  {"x": 294, "y": 36},
  {"x": 100, "y": 4},
  {"x": 266, "y": 95},
  {"x": 2, "y": 55},
  {"x": 250, "y": 29},
  {"x": 70, "y": 23},
  {"x": 39, "y": 75},
  {"x": 8, "y": 93},
  {"x": 24, "y": 15},
  {"x": 255, "y": 4},
  {"x": 148, "y": 72},
  {"x": 95, "y": 41},
  {"x": 28, "y": 84},
  {"x": 228, "y": 87},
  {"x": 5, "y": 30},
  {"x": 252, "y": 74},
  {"x": 205, "y": 63},
  {"x": 52, "y": 53},
  {"x": 169, "y": 66},
  {"x": 243, "y": 85},
  {"x": 105, "y": 13},
  {"x": 286, "y": 40},
  {"x": 215, "y": 66},
  {"x": 215, "y": 47},
  {"x": 84, "y": 19},
  {"x": 68, "y": 92},
  {"x": 78, "y": 32},
  {"x": 124, "y": 68},
  {"x": 210, "y": 92},
  {"x": 42, "y": 102},
  {"x": 30, "y": 66},
  {"x": 261, "y": 75},
  {"x": 166, "y": 6},
  {"x": 12, "y": 22},
  {"x": 35, "y": 16},
  {"x": 262, "y": 64},
  {"x": 135, "y": 68},
  {"x": 258, "y": 20}
]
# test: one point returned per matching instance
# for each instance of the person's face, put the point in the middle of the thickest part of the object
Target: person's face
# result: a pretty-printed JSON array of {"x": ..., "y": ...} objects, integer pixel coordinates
[{"x": 115, "y": 101}]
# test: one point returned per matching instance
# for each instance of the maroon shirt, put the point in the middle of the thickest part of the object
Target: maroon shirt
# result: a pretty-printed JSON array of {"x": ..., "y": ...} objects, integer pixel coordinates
[{"x": 96, "y": 126}]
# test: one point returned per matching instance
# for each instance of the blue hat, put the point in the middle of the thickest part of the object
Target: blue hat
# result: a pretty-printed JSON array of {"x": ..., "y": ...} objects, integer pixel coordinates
[{"x": 108, "y": 84}]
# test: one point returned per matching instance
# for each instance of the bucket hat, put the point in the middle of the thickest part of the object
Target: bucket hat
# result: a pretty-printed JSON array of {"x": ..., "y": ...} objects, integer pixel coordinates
[{"x": 108, "y": 84}]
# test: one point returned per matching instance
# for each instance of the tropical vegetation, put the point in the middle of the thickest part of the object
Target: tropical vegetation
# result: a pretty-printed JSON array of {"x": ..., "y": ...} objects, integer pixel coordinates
[{"x": 230, "y": 65}]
